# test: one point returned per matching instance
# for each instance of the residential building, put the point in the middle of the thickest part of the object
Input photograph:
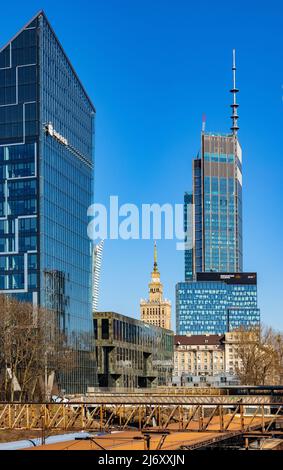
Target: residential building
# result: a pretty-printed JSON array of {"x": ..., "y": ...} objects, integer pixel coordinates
[
  {"x": 198, "y": 355},
  {"x": 47, "y": 160},
  {"x": 156, "y": 310},
  {"x": 202, "y": 361},
  {"x": 131, "y": 353}
]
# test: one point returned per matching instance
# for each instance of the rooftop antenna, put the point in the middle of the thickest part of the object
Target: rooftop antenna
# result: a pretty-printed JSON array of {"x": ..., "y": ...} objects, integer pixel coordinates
[{"x": 234, "y": 106}]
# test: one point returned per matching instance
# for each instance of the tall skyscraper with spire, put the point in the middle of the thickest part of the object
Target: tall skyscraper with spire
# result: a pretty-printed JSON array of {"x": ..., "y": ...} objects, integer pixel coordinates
[
  {"x": 215, "y": 205},
  {"x": 216, "y": 296},
  {"x": 156, "y": 310}
]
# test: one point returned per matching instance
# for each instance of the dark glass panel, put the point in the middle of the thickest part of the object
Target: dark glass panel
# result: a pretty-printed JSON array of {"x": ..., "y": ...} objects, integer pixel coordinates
[
  {"x": 24, "y": 40},
  {"x": 95, "y": 328},
  {"x": 33, "y": 24},
  {"x": 5, "y": 57},
  {"x": 104, "y": 328}
]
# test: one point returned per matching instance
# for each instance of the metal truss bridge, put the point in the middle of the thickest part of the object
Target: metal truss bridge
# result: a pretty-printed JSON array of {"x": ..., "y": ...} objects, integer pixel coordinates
[{"x": 147, "y": 412}]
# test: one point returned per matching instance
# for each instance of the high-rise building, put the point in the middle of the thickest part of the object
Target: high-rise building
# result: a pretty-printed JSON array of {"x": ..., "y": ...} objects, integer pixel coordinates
[
  {"x": 156, "y": 310},
  {"x": 216, "y": 296},
  {"x": 214, "y": 209},
  {"x": 46, "y": 159},
  {"x": 97, "y": 252},
  {"x": 188, "y": 230}
]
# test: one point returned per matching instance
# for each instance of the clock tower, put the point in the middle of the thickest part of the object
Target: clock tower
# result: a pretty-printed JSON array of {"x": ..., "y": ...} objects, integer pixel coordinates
[{"x": 156, "y": 310}]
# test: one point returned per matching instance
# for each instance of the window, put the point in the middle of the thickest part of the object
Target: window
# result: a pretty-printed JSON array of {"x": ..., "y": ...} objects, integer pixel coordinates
[
  {"x": 105, "y": 328},
  {"x": 95, "y": 328}
]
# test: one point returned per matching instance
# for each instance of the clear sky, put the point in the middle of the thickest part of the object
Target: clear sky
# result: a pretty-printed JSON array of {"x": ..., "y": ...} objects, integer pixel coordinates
[{"x": 152, "y": 68}]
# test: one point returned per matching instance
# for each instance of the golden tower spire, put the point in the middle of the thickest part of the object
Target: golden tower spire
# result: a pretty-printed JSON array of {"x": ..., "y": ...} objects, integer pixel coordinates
[
  {"x": 155, "y": 269},
  {"x": 156, "y": 310}
]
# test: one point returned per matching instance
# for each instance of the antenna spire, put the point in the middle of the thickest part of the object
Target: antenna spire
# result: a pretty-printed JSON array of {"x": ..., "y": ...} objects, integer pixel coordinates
[
  {"x": 234, "y": 106},
  {"x": 155, "y": 258}
]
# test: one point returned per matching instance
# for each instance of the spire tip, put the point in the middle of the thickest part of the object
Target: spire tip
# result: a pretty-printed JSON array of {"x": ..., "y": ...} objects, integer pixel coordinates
[{"x": 234, "y": 91}]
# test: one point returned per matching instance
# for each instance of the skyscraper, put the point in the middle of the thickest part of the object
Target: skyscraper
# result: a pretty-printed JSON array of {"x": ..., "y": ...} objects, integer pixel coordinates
[
  {"x": 96, "y": 268},
  {"x": 156, "y": 310},
  {"x": 189, "y": 235},
  {"x": 215, "y": 242},
  {"x": 216, "y": 296},
  {"x": 46, "y": 158}
]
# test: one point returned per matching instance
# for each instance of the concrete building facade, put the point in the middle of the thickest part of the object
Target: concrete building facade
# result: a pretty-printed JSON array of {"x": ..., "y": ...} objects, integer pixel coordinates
[{"x": 131, "y": 353}]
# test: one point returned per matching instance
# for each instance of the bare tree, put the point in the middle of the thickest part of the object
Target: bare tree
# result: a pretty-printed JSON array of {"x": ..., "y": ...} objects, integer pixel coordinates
[
  {"x": 260, "y": 354},
  {"x": 31, "y": 346},
  {"x": 277, "y": 346}
]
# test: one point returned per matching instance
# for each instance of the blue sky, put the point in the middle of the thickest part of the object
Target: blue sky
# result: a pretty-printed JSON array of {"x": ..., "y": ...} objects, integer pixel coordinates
[{"x": 152, "y": 68}]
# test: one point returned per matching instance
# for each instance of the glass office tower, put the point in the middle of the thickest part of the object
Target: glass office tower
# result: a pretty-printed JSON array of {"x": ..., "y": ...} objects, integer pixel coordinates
[
  {"x": 206, "y": 302},
  {"x": 217, "y": 303},
  {"x": 46, "y": 158},
  {"x": 216, "y": 239},
  {"x": 188, "y": 228}
]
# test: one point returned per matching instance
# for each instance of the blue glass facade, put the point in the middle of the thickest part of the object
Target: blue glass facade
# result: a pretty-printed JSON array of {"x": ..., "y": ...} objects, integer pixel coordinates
[
  {"x": 46, "y": 158},
  {"x": 222, "y": 204},
  {"x": 217, "y": 207},
  {"x": 188, "y": 201},
  {"x": 216, "y": 306}
]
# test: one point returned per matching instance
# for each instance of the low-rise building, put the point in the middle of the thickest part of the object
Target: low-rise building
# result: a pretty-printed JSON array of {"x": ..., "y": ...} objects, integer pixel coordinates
[
  {"x": 205, "y": 360},
  {"x": 198, "y": 356},
  {"x": 131, "y": 353},
  {"x": 231, "y": 344}
]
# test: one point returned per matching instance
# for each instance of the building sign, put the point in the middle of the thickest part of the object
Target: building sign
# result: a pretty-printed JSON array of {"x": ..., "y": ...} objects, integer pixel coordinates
[
  {"x": 51, "y": 131},
  {"x": 228, "y": 278}
]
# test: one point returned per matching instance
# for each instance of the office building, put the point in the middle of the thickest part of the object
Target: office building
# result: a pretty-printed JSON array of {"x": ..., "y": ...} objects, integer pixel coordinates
[
  {"x": 216, "y": 303},
  {"x": 217, "y": 296},
  {"x": 156, "y": 310},
  {"x": 46, "y": 158},
  {"x": 96, "y": 269},
  {"x": 216, "y": 238},
  {"x": 189, "y": 227},
  {"x": 214, "y": 208},
  {"x": 131, "y": 353}
]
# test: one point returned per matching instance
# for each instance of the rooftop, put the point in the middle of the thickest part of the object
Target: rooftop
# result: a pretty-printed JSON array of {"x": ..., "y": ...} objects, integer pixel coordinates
[
  {"x": 132, "y": 320},
  {"x": 198, "y": 340}
]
